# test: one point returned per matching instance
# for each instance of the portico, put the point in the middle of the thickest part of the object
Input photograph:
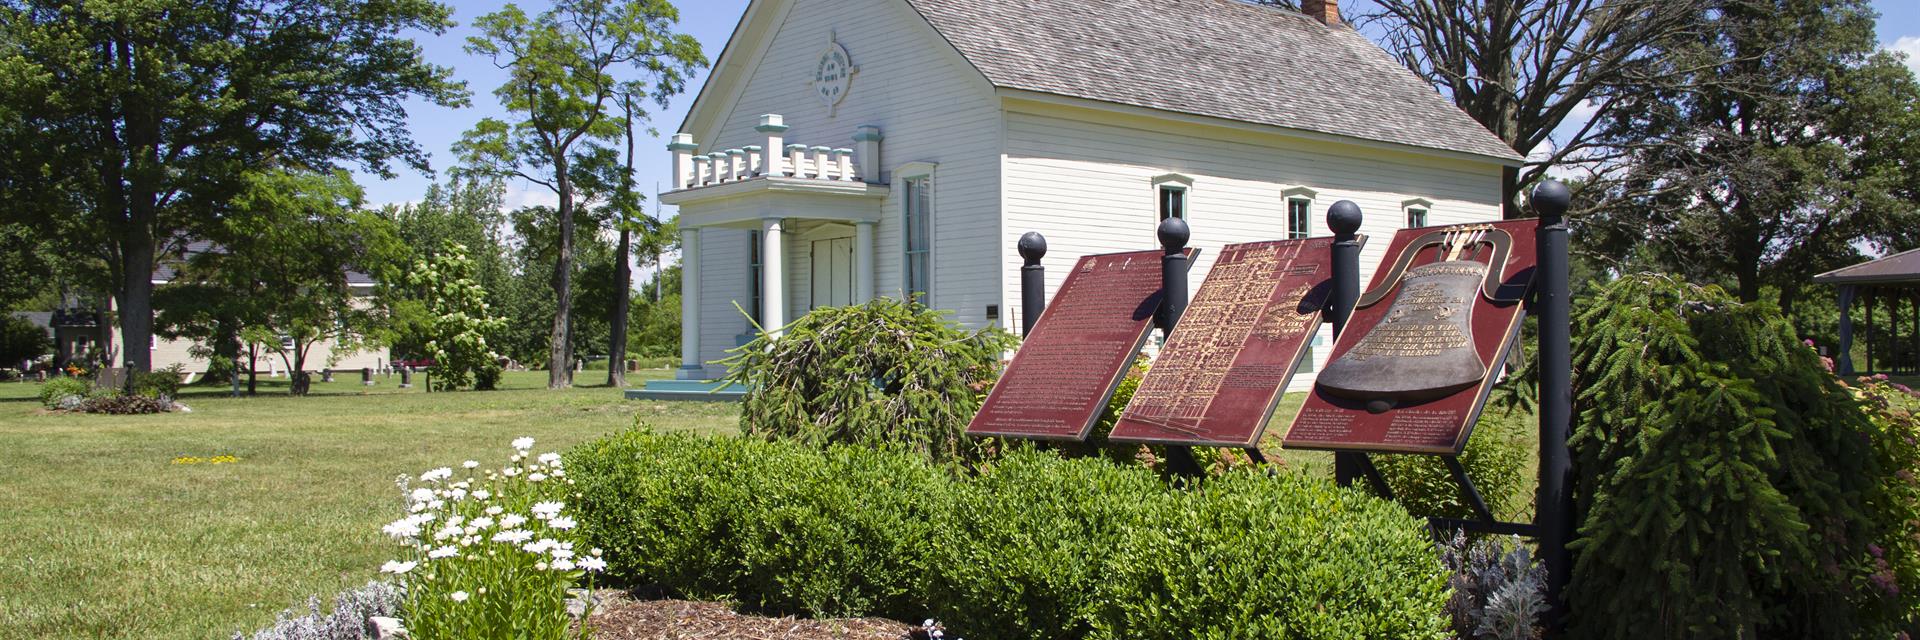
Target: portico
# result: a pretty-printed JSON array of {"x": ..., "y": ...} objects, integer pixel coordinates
[{"x": 809, "y": 216}]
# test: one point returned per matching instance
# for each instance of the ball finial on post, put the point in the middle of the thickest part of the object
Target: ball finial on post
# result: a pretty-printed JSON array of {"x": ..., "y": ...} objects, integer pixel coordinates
[
  {"x": 1551, "y": 198},
  {"x": 1033, "y": 247},
  {"x": 1174, "y": 235},
  {"x": 1344, "y": 219}
]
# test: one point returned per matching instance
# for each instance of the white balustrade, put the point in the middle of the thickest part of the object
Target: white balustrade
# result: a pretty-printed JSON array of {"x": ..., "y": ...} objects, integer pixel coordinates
[{"x": 776, "y": 158}]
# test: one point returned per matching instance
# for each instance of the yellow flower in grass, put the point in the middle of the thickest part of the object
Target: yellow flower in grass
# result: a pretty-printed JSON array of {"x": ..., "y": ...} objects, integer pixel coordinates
[
  {"x": 187, "y": 460},
  {"x": 219, "y": 459}
]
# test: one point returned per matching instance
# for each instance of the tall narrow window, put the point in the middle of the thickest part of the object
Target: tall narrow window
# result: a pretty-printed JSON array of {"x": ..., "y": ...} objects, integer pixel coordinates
[
  {"x": 753, "y": 274},
  {"x": 1173, "y": 202},
  {"x": 1299, "y": 213},
  {"x": 918, "y": 210},
  {"x": 1416, "y": 218}
]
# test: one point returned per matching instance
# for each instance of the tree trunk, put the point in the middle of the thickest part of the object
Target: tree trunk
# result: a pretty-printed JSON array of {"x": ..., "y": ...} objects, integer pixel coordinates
[
  {"x": 297, "y": 381},
  {"x": 623, "y": 272},
  {"x": 622, "y": 297},
  {"x": 559, "y": 342},
  {"x": 253, "y": 369},
  {"x": 136, "y": 293}
]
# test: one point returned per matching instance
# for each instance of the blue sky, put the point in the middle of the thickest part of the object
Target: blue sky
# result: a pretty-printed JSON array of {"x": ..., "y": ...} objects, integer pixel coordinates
[{"x": 711, "y": 22}]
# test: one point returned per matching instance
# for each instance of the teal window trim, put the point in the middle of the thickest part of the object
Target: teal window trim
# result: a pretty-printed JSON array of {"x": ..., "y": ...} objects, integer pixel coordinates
[
  {"x": 754, "y": 274},
  {"x": 1299, "y": 218},
  {"x": 917, "y": 230}
]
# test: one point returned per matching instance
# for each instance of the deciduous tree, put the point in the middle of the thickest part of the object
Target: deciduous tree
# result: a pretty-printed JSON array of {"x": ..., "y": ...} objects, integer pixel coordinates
[
  {"x": 564, "y": 98},
  {"x": 128, "y": 124},
  {"x": 1792, "y": 144}
]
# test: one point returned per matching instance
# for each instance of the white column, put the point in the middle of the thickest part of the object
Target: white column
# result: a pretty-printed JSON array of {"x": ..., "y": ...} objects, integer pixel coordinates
[
  {"x": 773, "y": 276},
  {"x": 797, "y": 160},
  {"x": 737, "y": 164},
  {"x": 722, "y": 166},
  {"x": 862, "y": 262},
  {"x": 702, "y": 168},
  {"x": 775, "y": 129},
  {"x": 683, "y": 148},
  {"x": 843, "y": 161},
  {"x": 866, "y": 152},
  {"x": 822, "y": 162},
  {"x": 690, "y": 366}
]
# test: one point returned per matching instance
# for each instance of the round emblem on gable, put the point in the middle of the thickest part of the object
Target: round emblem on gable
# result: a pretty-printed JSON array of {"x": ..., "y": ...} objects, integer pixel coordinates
[{"x": 833, "y": 75}]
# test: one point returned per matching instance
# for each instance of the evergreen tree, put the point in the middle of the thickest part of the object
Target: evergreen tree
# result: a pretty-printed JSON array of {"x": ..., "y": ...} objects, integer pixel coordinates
[{"x": 1724, "y": 479}]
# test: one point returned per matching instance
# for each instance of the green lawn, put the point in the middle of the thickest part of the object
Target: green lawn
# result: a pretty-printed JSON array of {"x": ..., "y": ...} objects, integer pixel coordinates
[{"x": 102, "y": 535}]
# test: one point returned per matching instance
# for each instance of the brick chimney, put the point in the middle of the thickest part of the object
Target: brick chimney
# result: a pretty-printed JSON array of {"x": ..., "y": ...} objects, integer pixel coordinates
[{"x": 1326, "y": 11}]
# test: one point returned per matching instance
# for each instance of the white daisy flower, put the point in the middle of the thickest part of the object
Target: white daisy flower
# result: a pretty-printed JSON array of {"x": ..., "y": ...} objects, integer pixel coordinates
[
  {"x": 397, "y": 567},
  {"x": 594, "y": 564},
  {"x": 495, "y": 510},
  {"x": 549, "y": 458},
  {"x": 483, "y": 522},
  {"x": 510, "y": 471},
  {"x": 436, "y": 475},
  {"x": 523, "y": 443},
  {"x": 515, "y": 536},
  {"x": 403, "y": 528},
  {"x": 458, "y": 596},
  {"x": 482, "y": 494},
  {"x": 536, "y": 476},
  {"x": 422, "y": 494},
  {"x": 563, "y": 565},
  {"x": 471, "y": 464},
  {"x": 562, "y": 523},
  {"x": 443, "y": 552},
  {"x": 512, "y": 520},
  {"x": 544, "y": 510},
  {"x": 562, "y": 554}
]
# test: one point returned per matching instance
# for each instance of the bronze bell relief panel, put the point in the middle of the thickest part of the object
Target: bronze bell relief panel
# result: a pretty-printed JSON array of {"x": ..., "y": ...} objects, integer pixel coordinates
[{"x": 1424, "y": 348}]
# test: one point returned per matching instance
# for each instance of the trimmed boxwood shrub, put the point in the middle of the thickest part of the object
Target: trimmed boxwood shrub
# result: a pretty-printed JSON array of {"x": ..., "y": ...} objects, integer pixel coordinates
[{"x": 1034, "y": 547}]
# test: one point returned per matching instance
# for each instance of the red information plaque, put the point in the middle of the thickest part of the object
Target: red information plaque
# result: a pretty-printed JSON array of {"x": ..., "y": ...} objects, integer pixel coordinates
[
  {"x": 1411, "y": 371},
  {"x": 1222, "y": 373},
  {"x": 1064, "y": 373}
]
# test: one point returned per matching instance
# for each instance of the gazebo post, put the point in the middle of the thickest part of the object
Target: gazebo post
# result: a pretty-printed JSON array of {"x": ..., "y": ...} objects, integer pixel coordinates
[
  {"x": 1843, "y": 361},
  {"x": 1869, "y": 331},
  {"x": 1916, "y": 334}
]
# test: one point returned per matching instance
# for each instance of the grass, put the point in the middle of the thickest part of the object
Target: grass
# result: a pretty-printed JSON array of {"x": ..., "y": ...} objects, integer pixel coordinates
[{"x": 105, "y": 537}]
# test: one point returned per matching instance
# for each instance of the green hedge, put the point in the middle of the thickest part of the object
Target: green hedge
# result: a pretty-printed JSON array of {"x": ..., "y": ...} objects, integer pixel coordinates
[{"x": 1035, "y": 547}]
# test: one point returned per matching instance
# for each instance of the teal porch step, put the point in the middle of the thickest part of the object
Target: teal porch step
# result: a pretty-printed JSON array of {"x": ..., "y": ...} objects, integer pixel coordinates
[{"x": 698, "y": 390}]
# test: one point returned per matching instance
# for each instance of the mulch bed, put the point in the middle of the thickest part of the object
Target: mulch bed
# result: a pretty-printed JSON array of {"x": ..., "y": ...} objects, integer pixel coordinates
[{"x": 620, "y": 617}]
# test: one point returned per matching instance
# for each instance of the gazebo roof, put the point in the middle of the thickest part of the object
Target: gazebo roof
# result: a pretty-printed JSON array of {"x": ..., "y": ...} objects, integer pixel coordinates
[{"x": 1896, "y": 269}]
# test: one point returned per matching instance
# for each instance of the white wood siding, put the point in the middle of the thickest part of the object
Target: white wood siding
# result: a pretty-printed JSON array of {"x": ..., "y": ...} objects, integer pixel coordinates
[
  {"x": 1084, "y": 179},
  {"x": 930, "y": 106}
]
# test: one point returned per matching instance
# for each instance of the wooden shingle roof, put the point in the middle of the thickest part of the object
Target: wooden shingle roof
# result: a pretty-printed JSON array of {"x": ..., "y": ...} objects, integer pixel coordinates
[
  {"x": 1216, "y": 58},
  {"x": 1899, "y": 268}
]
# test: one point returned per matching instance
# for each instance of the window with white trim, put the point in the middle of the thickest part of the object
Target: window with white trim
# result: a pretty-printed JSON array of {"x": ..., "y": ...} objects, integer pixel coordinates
[
  {"x": 753, "y": 275},
  {"x": 917, "y": 214},
  {"x": 1416, "y": 210},
  {"x": 1170, "y": 195},
  {"x": 1299, "y": 218}
]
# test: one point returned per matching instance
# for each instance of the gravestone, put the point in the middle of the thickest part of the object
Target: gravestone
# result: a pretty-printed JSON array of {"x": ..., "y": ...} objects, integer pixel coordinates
[
  {"x": 366, "y": 376},
  {"x": 1222, "y": 373},
  {"x": 326, "y": 375},
  {"x": 1067, "y": 369},
  {"x": 1412, "y": 370},
  {"x": 406, "y": 377}
]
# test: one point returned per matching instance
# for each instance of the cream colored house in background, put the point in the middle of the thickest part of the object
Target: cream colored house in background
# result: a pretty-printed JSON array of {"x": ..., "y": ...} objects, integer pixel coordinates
[{"x": 845, "y": 149}]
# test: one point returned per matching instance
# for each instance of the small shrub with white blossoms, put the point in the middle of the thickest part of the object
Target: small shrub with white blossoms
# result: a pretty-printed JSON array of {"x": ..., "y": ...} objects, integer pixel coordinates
[{"x": 490, "y": 554}]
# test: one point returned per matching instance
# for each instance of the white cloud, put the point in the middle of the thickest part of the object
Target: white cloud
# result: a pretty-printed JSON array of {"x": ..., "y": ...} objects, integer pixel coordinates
[
  {"x": 521, "y": 193},
  {"x": 1909, "y": 45}
]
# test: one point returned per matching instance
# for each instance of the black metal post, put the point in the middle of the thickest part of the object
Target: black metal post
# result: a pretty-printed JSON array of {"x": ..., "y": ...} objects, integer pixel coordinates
[
  {"x": 1174, "y": 234},
  {"x": 1554, "y": 506},
  {"x": 1344, "y": 219},
  {"x": 1033, "y": 281}
]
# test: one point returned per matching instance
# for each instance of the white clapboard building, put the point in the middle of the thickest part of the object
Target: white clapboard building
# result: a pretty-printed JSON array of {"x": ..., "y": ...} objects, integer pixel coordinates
[{"x": 845, "y": 149}]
